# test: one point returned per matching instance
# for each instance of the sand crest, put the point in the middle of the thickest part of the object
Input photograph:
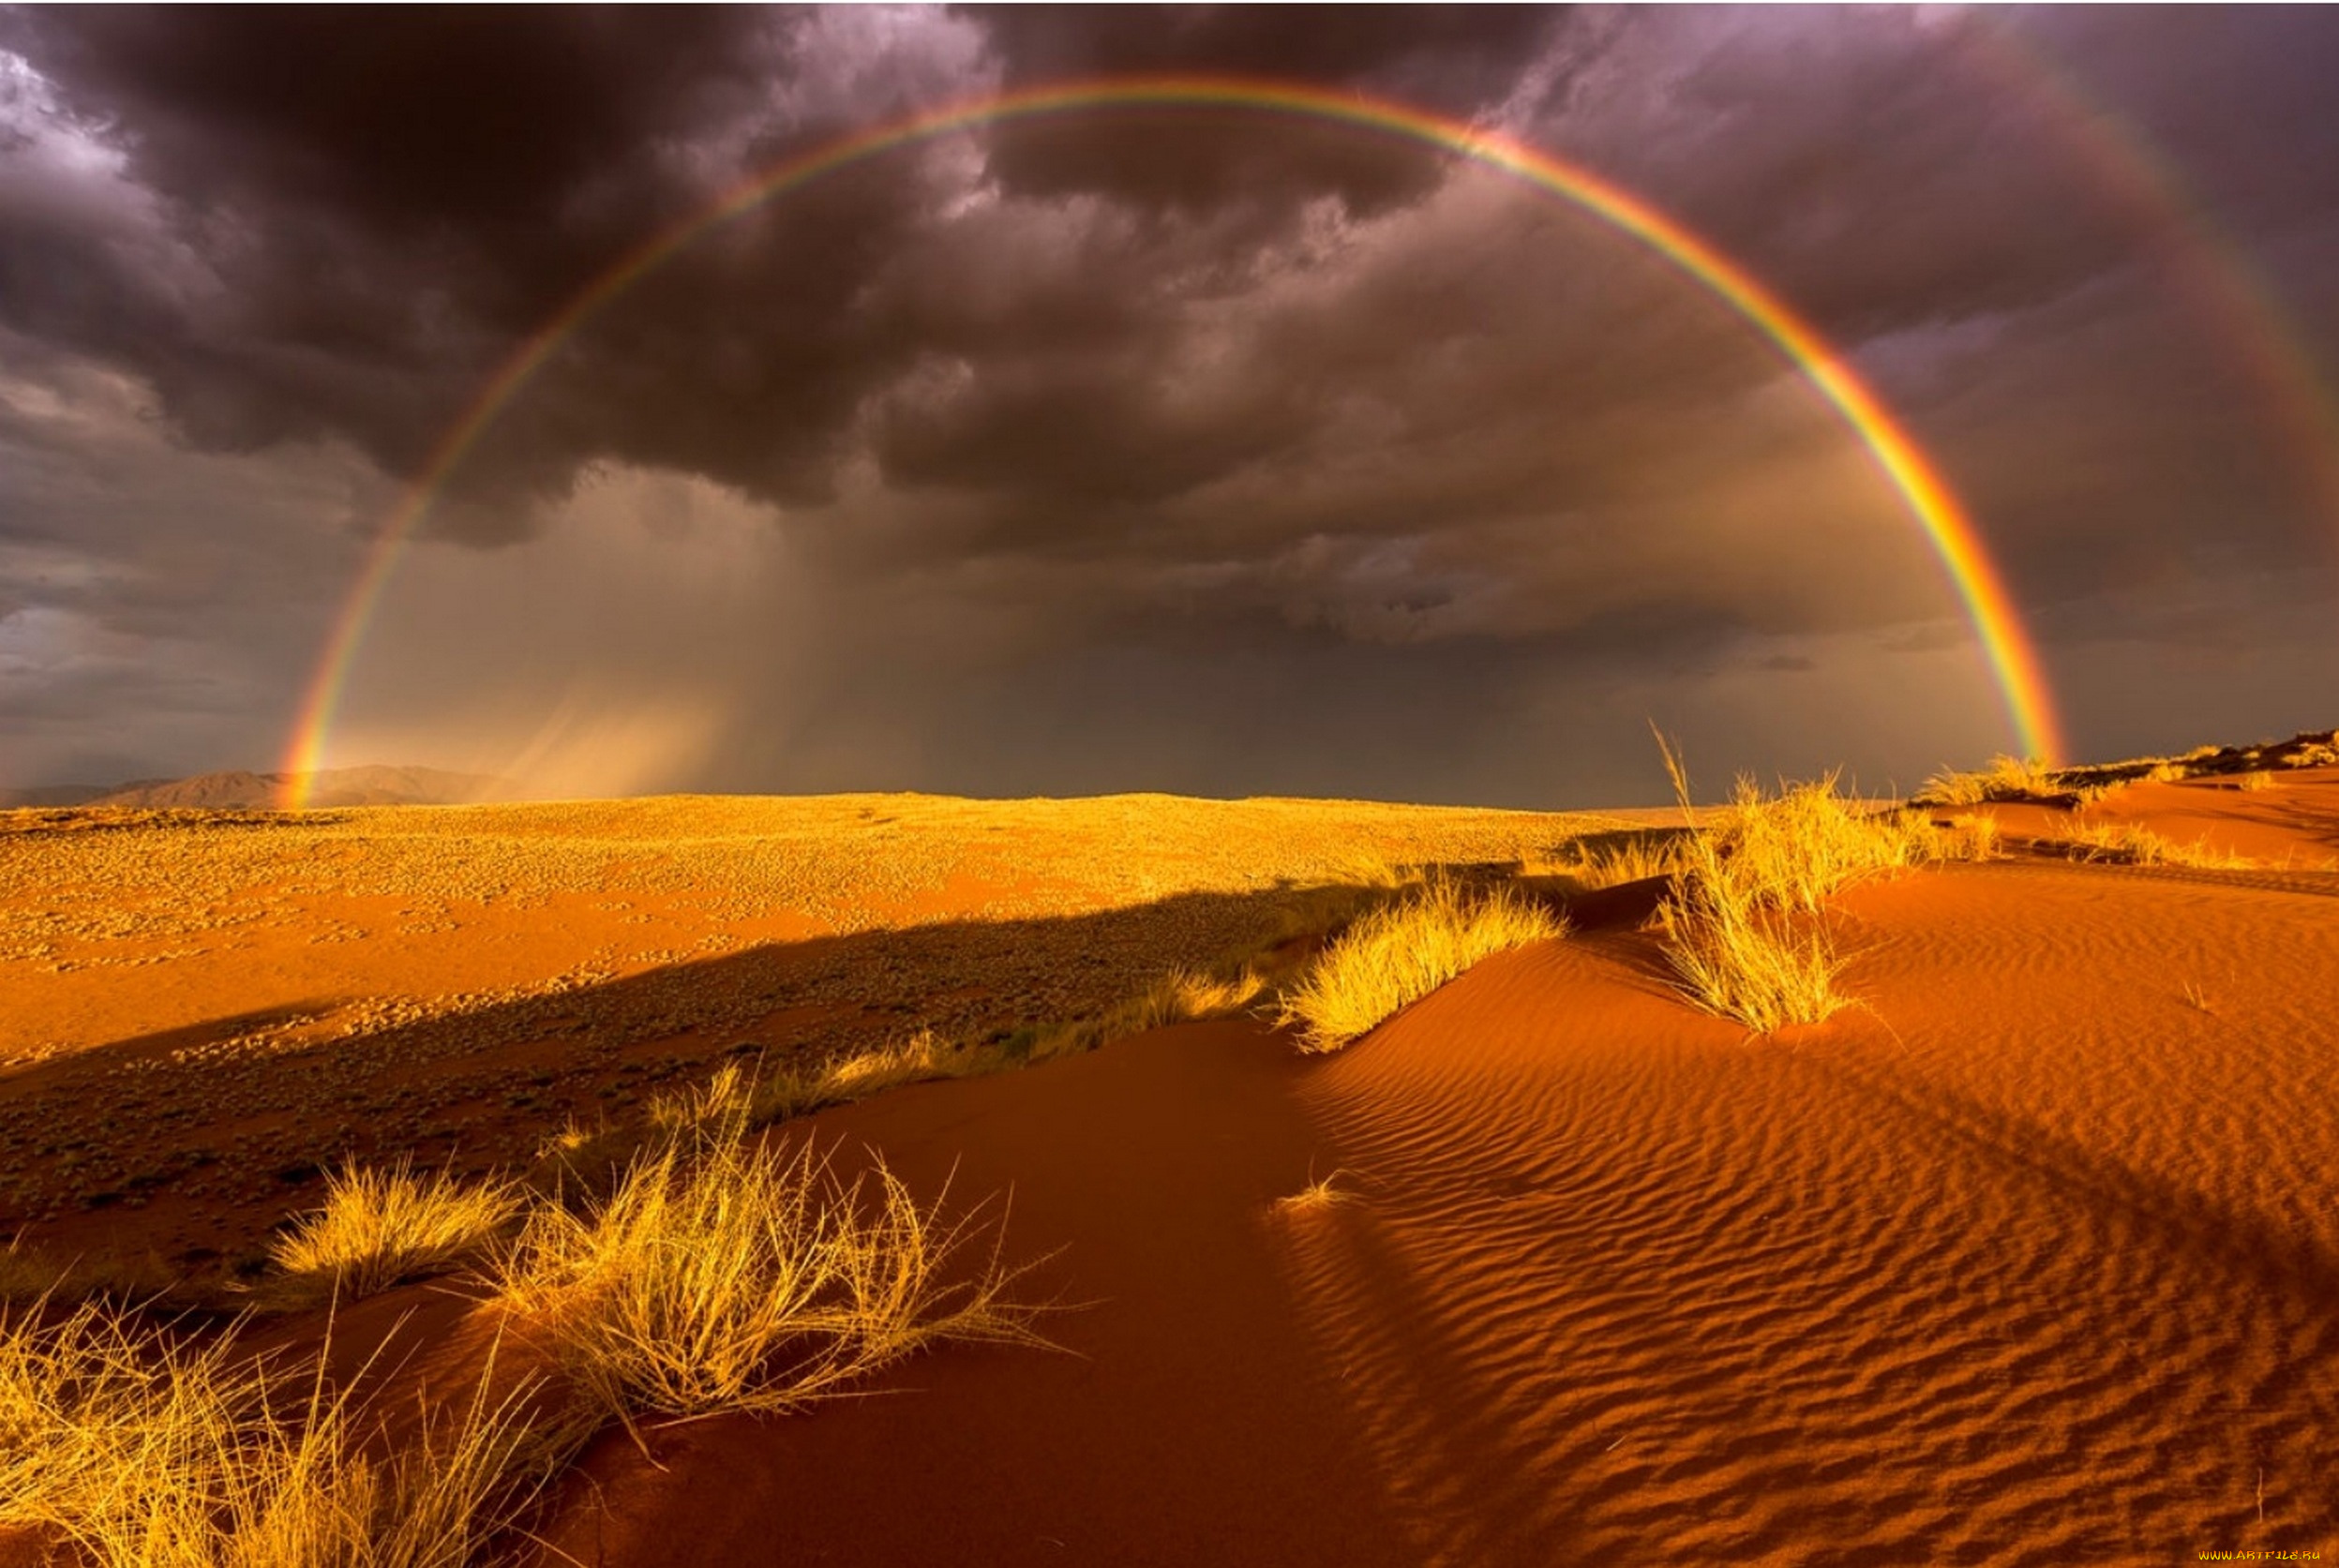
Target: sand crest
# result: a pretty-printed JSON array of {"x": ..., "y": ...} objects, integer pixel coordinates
[{"x": 2034, "y": 1260}]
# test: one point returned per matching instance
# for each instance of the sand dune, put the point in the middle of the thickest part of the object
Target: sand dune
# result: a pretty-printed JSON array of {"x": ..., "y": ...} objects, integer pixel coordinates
[
  {"x": 2030, "y": 1258},
  {"x": 204, "y": 1010},
  {"x": 2034, "y": 1259}
]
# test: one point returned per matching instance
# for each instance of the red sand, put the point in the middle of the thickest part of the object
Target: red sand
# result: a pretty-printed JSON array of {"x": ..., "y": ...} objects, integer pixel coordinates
[
  {"x": 2035, "y": 1260},
  {"x": 204, "y": 1010}
]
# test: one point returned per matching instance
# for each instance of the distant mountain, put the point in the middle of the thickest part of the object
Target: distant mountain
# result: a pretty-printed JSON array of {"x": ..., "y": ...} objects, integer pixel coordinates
[{"x": 239, "y": 790}]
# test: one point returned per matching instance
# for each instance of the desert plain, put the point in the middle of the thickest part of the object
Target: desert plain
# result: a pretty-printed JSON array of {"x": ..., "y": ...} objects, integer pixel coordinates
[{"x": 2026, "y": 1251}]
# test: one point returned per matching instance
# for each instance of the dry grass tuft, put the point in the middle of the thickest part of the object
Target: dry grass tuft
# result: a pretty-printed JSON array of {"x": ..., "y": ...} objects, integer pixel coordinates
[
  {"x": 1798, "y": 848},
  {"x": 721, "y": 1275},
  {"x": 378, "y": 1227},
  {"x": 1621, "y": 858},
  {"x": 1180, "y": 996},
  {"x": 2012, "y": 779},
  {"x": 1400, "y": 953},
  {"x": 729, "y": 1275},
  {"x": 2006, "y": 778},
  {"x": 744, "y": 1097},
  {"x": 2132, "y": 843},
  {"x": 138, "y": 1450},
  {"x": 751, "y": 1095},
  {"x": 2253, "y": 783},
  {"x": 1742, "y": 931},
  {"x": 1738, "y": 957},
  {"x": 26, "y": 1277},
  {"x": 1317, "y": 1195},
  {"x": 1376, "y": 872}
]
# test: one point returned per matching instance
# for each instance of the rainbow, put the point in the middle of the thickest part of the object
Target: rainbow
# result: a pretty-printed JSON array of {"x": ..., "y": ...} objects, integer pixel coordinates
[
  {"x": 2253, "y": 324},
  {"x": 2013, "y": 660}
]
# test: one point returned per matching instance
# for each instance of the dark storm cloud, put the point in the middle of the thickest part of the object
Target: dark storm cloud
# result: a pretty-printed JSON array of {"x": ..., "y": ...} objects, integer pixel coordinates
[
  {"x": 364, "y": 211},
  {"x": 1880, "y": 167},
  {"x": 379, "y": 204},
  {"x": 1236, "y": 391},
  {"x": 1458, "y": 59},
  {"x": 471, "y": 126}
]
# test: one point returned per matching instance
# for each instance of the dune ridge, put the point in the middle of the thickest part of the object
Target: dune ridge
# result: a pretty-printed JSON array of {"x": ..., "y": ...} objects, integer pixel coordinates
[
  {"x": 2032, "y": 1257},
  {"x": 2033, "y": 1260}
]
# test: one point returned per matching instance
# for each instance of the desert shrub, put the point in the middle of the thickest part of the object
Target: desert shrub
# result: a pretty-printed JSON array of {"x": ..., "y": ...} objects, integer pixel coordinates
[
  {"x": 1618, "y": 858},
  {"x": 1797, "y": 849},
  {"x": 1743, "y": 930},
  {"x": 27, "y": 1275},
  {"x": 2132, "y": 843},
  {"x": 376, "y": 1226},
  {"x": 2006, "y": 778},
  {"x": 1180, "y": 996},
  {"x": 1400, "y": 953},
  {"x": 1762, "y": 966},
  {"x": 724, "y": 1274},
  {"x": 141, "y": 1450}
]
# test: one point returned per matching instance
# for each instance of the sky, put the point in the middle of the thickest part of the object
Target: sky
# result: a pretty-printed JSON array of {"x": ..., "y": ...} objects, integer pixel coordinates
[{"x": 1213, "y": 451}]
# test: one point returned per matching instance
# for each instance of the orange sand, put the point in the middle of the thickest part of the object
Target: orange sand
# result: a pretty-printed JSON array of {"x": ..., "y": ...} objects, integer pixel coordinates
[
  {"x": 202, "y": 1010},
  {"x": 2036, "y": 1260}
]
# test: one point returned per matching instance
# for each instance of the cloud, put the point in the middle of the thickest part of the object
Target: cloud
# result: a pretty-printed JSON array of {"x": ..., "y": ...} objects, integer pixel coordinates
[
  {"x": 1457, "y": 59},
  {"x": 1039, "y": 415}
]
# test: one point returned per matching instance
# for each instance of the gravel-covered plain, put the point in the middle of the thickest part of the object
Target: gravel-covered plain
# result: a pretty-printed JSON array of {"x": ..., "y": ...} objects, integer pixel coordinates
[{"x": 206, "y": 1010}]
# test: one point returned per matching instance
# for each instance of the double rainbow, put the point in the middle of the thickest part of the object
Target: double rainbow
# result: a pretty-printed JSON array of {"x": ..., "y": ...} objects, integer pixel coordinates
[{"x": 2006, "y": 646}]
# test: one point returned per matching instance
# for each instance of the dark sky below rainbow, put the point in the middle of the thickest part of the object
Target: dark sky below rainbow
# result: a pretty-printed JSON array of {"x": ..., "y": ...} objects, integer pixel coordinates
[{"x": 1050, "y": 402}]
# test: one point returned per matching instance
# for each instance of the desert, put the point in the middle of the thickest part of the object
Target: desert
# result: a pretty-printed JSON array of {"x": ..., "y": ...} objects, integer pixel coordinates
[
  {"x": 1192, "y": 785},
  {"x": 2023, "y": 1249}
]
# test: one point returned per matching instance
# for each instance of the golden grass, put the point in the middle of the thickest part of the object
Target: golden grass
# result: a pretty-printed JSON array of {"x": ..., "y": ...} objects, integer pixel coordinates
[
  {"x": 138, "y": 1450},
  {"x": 27, "y": 1275},
  {"x": 1798, "y": 848},
  {"x": 1317, "y": 1195},
  {"x": 1624, "y": 858},
  {"x": 378, "y": 1227},
  {"x": 2132, "y": 843},
  {"x": 747, "y": 1096},
  {"x": 754, "y": 1096},
  {"x": 1743, "y": 929},
  {"x": 1397, "y": 954},
  {"x": 724, "y": 1274},
  {"x": 1180, "y": 996},
  {"x": 2013, "y": 779},
  {"x": 1743, "y": 957},
  {"x": 2006, "y": 778},
  {"x": 721, "y": 1275}
]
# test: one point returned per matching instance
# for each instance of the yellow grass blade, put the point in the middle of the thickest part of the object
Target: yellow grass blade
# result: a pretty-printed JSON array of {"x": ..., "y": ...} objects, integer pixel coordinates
[
  {"x": 729, "y": 1275},
  {"x": 140, "y": 1450},
  {"x": 1396, "y": 955},
  {"x": 377, "y": 1227}
]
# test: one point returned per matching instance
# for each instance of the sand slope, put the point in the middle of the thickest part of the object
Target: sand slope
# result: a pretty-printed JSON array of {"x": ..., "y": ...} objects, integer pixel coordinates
[
  {"x": 204, "y": 1010},
  {"x": 2036, "y": 1260}
]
